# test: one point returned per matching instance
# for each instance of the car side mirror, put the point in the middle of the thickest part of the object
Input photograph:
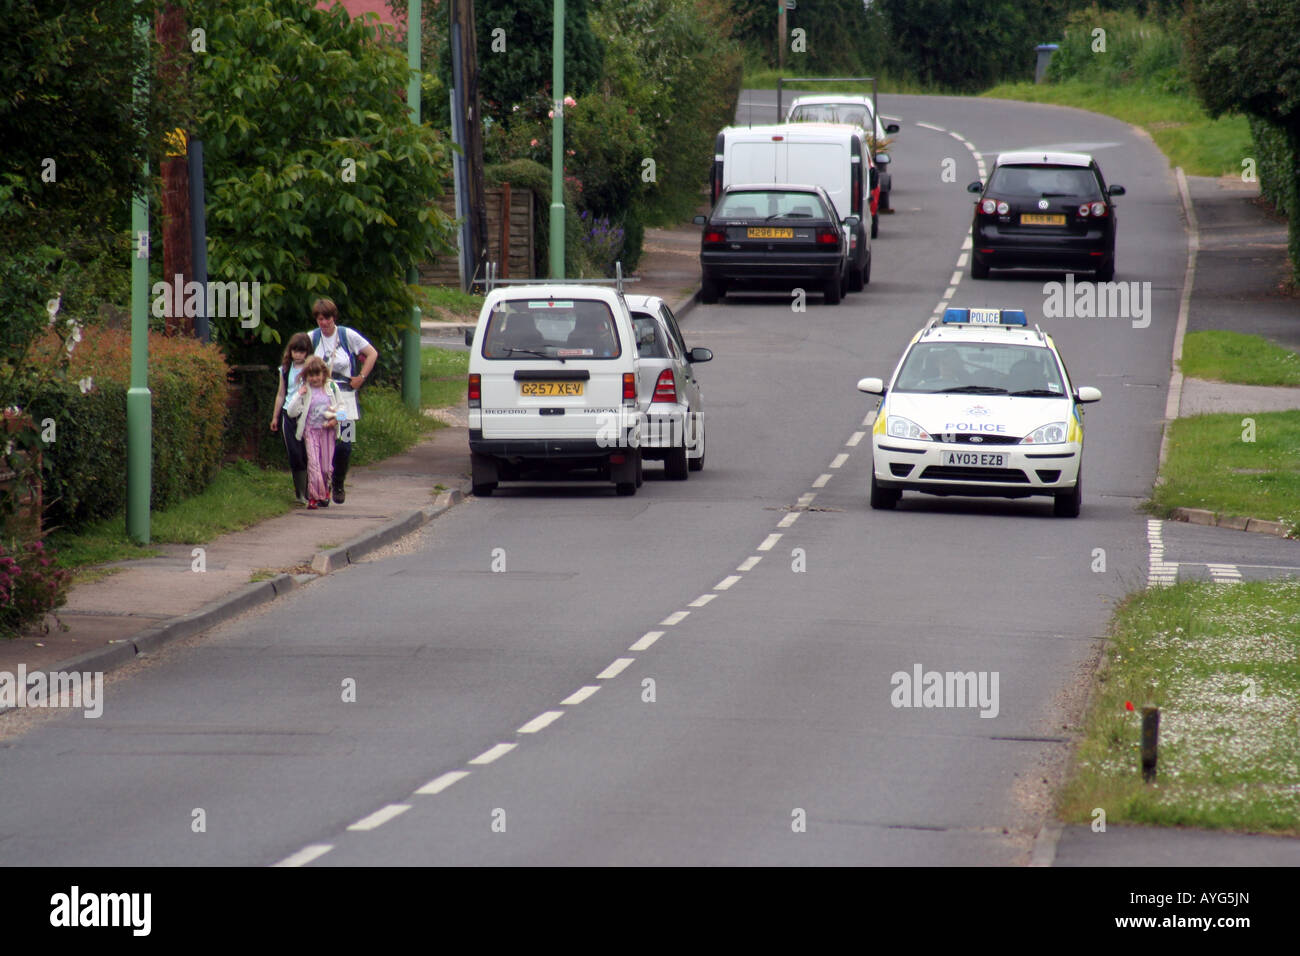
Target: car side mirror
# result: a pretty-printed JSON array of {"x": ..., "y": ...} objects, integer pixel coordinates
[
  {"x": 700, "y": 355},
  {"x": 1087, "y": 394},
  {"x": 873, "y": 386},
  {"x": 975, "y": 187},
  {"x": 882, "y": 159},
  {"x": 1116, "y": 190},
  {"x": 852, "y": 221},
  {"x": 891, "y": 127},
  {"x": 700, "y": 220},
  {"x": 469, "y": 338}
]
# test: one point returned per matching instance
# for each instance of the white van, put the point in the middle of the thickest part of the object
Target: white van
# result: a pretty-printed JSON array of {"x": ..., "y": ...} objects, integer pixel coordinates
[
  {"x": 833, "y": 156},
  {"x": 554, "y": 380}
]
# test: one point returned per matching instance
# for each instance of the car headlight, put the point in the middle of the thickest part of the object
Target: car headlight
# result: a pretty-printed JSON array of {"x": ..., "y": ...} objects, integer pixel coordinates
[
  {"x": 1052, "y": 434},
  {"x": 899, "y": 427}
]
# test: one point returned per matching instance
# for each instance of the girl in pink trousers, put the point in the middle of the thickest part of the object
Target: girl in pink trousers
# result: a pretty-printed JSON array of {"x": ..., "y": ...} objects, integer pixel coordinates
[{"x": 319, "y": 398}]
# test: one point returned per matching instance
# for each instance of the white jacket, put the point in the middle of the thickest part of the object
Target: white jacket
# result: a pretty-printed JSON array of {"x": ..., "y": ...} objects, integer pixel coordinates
[{"x": 296, "y": 407}]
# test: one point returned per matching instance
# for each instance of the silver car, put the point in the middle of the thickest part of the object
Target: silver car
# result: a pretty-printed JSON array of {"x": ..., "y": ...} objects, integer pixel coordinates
[{"x": 673, "y": 427}]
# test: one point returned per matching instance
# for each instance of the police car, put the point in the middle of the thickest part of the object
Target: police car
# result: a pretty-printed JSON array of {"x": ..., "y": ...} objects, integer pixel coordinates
[{"x": 980, "y": 404}]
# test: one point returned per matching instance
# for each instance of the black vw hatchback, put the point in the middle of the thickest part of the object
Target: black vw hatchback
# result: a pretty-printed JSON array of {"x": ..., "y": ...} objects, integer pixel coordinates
[{"x": 1044, "y": 210}]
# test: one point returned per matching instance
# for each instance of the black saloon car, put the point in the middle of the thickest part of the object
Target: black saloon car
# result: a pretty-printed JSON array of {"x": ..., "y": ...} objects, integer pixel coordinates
[
  {"x": 1044, "y": 210},
  {"x": 774, "y": 236}
]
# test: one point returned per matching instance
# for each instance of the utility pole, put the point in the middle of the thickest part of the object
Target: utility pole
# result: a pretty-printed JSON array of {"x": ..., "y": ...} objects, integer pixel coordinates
[
  {"x": 139, "y": 403},
  {"x": 780, "y": 39},
  {"x": 411, "y": 336},
  {"x": 557, "y": 144},
  {"x": 467, "y": 130},
  {"x": 178, "y": 259}
]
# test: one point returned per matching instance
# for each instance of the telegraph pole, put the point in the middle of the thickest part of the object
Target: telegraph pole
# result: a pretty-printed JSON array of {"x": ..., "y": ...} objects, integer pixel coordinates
[
  {"x": 557, "y": 144},
  {"x": 139, "y": 403},
  {"x": 411, "y": 337}
]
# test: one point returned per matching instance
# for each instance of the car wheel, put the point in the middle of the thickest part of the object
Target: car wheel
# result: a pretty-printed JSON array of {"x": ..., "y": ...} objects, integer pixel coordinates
[
  {"x": 1107, "y": 272},
  {"x": 709, "y": 291},
  {"x": 640, "y": 476},
  {"x": 697, "y": 464},
  {"x": 866, "y": 270},
  {"x": 626, "y": 488},
  {"x": 1068, "y": 504},
  {"x": 884, "y": 200},
  {"x": 883, "y": 499},
  {"x": 856, "y": 282},
  {"x": 832, "y": 290},
  {"x": 875, "y": 226},
  {"x": 484, "y": 490},
  {"x": 483, "y": 474},
  {"x": 978, "y": 270},
  {"x": 675, "y": 464}
]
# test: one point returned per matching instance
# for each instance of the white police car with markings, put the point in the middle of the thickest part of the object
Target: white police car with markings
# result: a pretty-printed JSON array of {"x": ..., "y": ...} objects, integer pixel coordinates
[{"x": 979, "y": 405}]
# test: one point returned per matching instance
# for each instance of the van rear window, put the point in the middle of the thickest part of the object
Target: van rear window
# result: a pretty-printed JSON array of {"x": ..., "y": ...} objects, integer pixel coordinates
[{"x": 531, "y": 329}]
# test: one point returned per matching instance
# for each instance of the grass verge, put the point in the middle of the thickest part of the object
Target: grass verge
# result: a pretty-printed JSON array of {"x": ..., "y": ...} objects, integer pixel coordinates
[
  {"x": 1242, "y": 359},
  {"x": 387, "y": 427},
  {"x": 240, "y": 496},
  {"x": 1234, "y": 464},
  {"x": 1178, "y": 124},
  {"x": 448, "y": 303},
  {"x": 1223, "y": 665},
  {"x": 442, "y": 377}
]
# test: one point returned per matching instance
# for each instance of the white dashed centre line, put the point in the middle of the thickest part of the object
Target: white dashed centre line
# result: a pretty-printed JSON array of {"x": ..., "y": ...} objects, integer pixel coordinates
[
  {"x": 821, "y": 481},
  {"x": 948, "y": 292},
  {"x": 839, "y": 460},
  {"x": 646, "y": 639},
  {"x": 937, "y": 129},
  {"x": 806, "y": 499},
  {"x": 966, "y": 244},
  {"x": 487, "y": 756},
  {"x": 956, "y": 278},
  {"x": 788, "y": 520},
  {"x": 541, "y": 722},
  {"x": 769, "y": 542},
  {"x": 750, "y": 562},
  {"x": 675, "y": 618},
  {"x": 962, "y": 259},
  {"x": 306, "y": 855},
  {"x": 702, "y": 600},
  {"x": 727, "y": 582},
  {"x": 855, "y": 438},
  {"x": 380, "y": 817},
  {"x": 439, "y": 784},
  {"x": 614, "y": 669},
  {"x": 581, "y": 694}
]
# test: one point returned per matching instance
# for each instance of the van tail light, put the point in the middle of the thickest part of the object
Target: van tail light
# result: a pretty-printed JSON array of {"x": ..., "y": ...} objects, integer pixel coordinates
[
  {"x": 475, "y": 391},
  {"x": 827, "y": 237},
  {"x": 857, "y": 195},
  {"x": 629, "y": 388},
  {"x": 714, "y": 235},
  {"x": 665, "y": 387}
]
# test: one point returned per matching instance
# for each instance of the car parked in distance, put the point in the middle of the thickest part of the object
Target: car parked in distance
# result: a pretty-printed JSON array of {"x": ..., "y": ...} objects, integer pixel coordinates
[
  {"x": 1044, "y": 210},
  {"x": 859, "y": 111},
  {"x": 673, "y": 426},
  {"x": 774, "y": 235}
]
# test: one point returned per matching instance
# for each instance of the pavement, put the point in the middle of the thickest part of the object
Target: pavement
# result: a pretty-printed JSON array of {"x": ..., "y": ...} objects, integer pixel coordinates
[{"x": 144, "y": 603}]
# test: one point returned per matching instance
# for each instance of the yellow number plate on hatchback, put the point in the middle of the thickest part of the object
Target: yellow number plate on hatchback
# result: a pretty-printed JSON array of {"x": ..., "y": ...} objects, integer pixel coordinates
[
  {"x": 1033, "y": 219},
  {"x": 550, "y": 389},
  {"x": 758, "y": 232}
]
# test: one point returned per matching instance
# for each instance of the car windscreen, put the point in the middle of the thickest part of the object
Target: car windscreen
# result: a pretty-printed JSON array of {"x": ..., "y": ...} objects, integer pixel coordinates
[
  {"x": 981, "y": 368},
  {"x": 771, "y": 205},
  {"x": 649, "y": 339},
  {"x": 551, "y": 328},
  {"x": 1044, "y": 181}
]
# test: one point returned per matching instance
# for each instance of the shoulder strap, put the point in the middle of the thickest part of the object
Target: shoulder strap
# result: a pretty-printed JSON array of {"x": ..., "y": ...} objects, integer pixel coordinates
[{"x": 343, "y": 344}]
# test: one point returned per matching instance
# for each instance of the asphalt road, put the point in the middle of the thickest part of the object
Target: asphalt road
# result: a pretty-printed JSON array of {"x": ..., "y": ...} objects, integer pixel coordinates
[{"x": 770, "y": 702}]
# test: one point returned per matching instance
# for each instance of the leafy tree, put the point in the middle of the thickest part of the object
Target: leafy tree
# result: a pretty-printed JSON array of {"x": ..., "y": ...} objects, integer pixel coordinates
[
  {"x": 318, "y": 183},
  {"x": 524, "y": 68},
  {"x": 1244, "y": 56}
]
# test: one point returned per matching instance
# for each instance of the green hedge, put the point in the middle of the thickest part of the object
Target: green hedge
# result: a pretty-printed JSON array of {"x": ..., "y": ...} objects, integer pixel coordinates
[
  {"x": 83, "y": 466},
  {"x": 1278, "y": 166}
]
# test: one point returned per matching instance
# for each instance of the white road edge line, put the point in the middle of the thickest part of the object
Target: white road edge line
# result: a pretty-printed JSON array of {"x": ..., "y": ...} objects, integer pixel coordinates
[
  {"x": 937, "y": 129},
  {"x": 439, "y": 784},
  {"x": 487, "y": 756},
  {"x": 540, "y": 722},
  {"x": 380, "y": 817},
  {"x": 614, "y": 669},
  {"x": 306, "y": 855},
  {"x": 646, "y": 639},
  {"x": 769, "y": 542}
]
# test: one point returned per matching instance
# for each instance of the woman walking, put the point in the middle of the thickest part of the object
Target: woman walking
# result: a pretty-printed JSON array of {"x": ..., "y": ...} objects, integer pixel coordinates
[
  {"x": 317, "y": 406},
  {"x": 291, "y": 365}
]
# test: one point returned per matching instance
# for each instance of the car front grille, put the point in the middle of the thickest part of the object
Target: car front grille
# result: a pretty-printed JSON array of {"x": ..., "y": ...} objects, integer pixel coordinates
[{"x": 949, "y": 473}]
